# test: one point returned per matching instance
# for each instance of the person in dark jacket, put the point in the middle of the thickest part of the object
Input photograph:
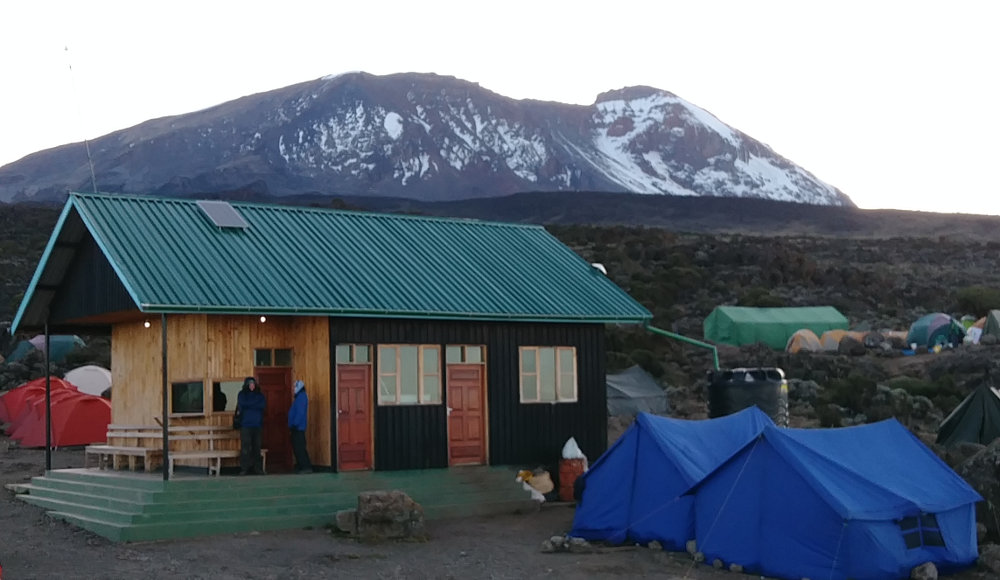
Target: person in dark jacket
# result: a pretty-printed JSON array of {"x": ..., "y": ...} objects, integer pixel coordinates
[
  {"x": 298, "y": 415},
  {"x": 251, "y": 403}
]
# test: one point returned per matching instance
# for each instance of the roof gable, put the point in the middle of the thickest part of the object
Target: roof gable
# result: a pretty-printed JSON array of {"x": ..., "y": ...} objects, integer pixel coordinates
[{"x": 170, "y": 257}]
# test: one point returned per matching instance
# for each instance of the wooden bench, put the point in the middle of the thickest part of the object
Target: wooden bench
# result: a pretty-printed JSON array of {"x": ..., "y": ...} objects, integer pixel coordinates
[
  {"x": 131, "y": 442},
  {"x": 116, "y": 454}
]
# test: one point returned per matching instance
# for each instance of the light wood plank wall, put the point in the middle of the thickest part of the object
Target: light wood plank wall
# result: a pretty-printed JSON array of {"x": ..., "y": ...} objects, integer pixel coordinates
[{"x": 214, "y": 347}]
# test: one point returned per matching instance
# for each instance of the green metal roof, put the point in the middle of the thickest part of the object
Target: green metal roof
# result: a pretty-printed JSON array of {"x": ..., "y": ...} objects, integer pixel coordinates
[{"x": 171, "y": 257}]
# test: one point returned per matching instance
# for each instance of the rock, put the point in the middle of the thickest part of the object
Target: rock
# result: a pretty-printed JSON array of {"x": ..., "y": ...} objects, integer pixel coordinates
[
  {"x": 691, "y": 546},
  {"x": 347, "y": 521},
  {"x": 982, "y": 472},
  {"x": 699, "y": 557},
  {"x": 718, "y": 564},
  {"x": 980, "y": 532},
  {"x": 925, "y": 571},
  {"x": 989, "y": 557},
  {"x": 580, "y": 546},
  {"x": 385, "y": 515},
  {"x": 736, "y": 568},
  {"x": 655, "y": 546},
  {"x": 547, "y": 547}
]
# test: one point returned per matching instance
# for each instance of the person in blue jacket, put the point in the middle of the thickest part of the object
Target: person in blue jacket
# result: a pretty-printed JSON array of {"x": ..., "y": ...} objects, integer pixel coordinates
[
  {"x": 298, "y": 414},
  {"x": 251, "y": 403}
]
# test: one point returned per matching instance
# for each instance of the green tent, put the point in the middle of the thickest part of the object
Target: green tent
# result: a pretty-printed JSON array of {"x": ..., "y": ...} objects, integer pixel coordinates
[
  {"x": 935, "y": 329},
  {"x": 739, "y": 325},
  {"x": 992, "y": 324},
  {"x": 976, "y": 419}
]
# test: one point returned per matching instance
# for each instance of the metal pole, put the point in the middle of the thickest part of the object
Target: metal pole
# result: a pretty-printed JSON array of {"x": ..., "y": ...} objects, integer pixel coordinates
[
  {"x": 48, "y": 403},
  {"x": 166, "y": 400},
  {"x": 674, "y": 335}
]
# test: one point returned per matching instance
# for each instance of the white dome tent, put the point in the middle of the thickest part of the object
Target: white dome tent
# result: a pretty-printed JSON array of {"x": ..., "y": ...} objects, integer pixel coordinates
[{"x": 90, "y": 379}]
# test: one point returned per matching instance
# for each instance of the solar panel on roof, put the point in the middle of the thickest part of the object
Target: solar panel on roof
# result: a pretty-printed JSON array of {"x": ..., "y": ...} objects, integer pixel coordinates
[{"x": 222, "y": 214}]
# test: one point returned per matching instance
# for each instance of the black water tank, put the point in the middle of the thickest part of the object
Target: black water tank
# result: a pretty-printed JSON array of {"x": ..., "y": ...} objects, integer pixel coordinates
[{"x": 732, "y": 390}]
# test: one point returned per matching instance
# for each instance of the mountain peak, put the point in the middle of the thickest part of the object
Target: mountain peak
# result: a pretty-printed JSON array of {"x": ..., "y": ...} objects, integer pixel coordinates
[{"x": 424, "y": 136}]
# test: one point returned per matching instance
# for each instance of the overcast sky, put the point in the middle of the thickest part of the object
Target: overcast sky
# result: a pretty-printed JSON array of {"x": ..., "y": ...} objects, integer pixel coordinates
[{"x": 893, "y": 102}]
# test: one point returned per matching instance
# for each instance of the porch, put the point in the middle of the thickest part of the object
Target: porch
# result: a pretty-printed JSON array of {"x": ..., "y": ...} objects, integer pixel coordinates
[{"x": 136, "y": 506}]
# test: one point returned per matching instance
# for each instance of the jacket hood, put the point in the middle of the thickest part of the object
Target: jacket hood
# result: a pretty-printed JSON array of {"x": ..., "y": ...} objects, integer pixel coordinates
[
  {"x": 247, "y": 381},
  {"x": 299, "y": 385}
]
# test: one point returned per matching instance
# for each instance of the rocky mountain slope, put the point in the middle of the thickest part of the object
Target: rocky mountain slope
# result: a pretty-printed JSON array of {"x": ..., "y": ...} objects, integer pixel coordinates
[{"x": 427, "y": 137}]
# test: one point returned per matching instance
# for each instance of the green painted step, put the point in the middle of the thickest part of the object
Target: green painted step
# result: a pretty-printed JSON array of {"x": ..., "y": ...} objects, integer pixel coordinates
[{"x": 132, "y": 507}]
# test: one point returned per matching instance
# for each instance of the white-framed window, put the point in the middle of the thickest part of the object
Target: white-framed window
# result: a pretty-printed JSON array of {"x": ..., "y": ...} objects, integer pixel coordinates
[
  {"x": 548, "y": 374},
  {"x": 409, "y": 374}
]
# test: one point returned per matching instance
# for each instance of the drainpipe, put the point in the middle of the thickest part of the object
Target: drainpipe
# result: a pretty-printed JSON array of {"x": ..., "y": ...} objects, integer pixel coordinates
[{"x": 667, "y": 333}]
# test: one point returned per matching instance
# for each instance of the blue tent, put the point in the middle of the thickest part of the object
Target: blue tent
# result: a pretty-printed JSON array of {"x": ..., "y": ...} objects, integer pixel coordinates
[
  {"x": 867, "y": 502},
  {"x": 633, "y": 491}
]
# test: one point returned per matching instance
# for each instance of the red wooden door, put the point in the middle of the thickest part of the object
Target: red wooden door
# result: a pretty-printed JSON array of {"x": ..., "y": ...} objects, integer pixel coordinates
[
  {"x": 466, "y": 415},
  {"x": 354, "y": 417},
  {"x": 276, "y": 384}
]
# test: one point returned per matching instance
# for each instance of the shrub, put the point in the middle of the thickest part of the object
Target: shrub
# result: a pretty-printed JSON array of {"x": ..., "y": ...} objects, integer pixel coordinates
[{"x": 977, "y": 299}]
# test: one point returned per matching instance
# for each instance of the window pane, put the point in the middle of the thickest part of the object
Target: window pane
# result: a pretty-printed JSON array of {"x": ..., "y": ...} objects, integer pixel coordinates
[
  {"x": 224, "y": 395},
  {"x": 430, "y": 360},
  {"x": 473, "y": 354},
  {"x": 432, "y": 389},
  {"x": 409, "y": 374},
  {"x": 529, "y": 387},
  {"x": 933, "y": 538},
  {"x": 528, "y": 360},
  {"x": 187, "y": 397},
  {"x": 343, "y": 353},
  {"x": 547, "y": 374},
  {"x": 567, "y": 387},
  {"x": 928, "y": 521},
  {"x": 566, "y": 360},
  {"x": 912, "y": 539},
  {"x": 283, "y": 357},
  {"x": 362, "y": 353},
  {"x": 453, "y": 354},
  {"x": 387, "y": 389},
  {"x": 387, "y": 359},
  {"x": 262, "y": 357},
  {"x": 908, "y": 523}
]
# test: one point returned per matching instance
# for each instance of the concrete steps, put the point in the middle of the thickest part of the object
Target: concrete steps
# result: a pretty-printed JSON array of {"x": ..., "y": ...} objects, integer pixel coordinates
[{"x": 133, "y": 507}]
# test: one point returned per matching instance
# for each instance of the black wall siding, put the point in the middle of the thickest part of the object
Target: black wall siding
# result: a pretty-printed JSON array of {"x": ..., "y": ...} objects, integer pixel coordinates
[
  {"x": 90, "y": 287},
  {"x": 525, "y": 435}
]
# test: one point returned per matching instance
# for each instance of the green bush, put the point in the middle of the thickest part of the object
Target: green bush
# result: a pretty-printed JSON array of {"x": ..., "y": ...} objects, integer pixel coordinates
[{"x": 977, "y": 300}]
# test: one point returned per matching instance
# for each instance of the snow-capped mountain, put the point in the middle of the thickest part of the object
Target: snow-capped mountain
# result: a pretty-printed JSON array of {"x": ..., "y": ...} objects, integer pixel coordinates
[{"x": 427, "y": 137}]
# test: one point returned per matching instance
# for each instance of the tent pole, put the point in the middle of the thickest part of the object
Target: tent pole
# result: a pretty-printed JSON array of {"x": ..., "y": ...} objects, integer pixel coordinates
[
  {"x": 165, "y": 412},
  {"x": 48, "y": 403}
]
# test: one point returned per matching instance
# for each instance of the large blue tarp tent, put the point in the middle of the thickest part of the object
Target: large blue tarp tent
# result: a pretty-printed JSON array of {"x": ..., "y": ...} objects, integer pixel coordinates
[
  {"x": 868, "y": 502},
  {"x": 633, "y": 491}
]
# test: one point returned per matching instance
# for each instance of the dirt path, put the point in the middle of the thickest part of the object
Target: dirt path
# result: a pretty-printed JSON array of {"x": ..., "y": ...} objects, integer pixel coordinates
[{"x": 33, "y": 546}]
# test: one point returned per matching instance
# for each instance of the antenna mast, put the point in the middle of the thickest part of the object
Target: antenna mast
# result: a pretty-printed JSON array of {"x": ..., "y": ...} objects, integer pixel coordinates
[{"x": 86, "y": 142}]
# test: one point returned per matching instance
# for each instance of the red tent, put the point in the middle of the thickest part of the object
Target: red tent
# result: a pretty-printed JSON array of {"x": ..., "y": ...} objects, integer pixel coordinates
[
  {"x": 12, "y": 403},
  {"x": 77, "y": 419}
]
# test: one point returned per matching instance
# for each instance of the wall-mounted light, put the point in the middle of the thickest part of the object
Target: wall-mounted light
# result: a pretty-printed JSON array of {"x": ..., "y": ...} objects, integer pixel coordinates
[
  {"x": 263, "y": 319},
  {"x": 146, "y": 324}
]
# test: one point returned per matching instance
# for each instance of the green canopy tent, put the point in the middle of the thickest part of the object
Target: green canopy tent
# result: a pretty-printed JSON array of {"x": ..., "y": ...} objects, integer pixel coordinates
[
  {"x": 976, "y": 419},
  {"x": 740, "y": 325}
]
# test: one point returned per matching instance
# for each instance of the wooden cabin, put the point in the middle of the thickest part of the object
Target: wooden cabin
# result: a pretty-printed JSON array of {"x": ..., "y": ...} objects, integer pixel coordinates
[{"x": 423, "y": 342}]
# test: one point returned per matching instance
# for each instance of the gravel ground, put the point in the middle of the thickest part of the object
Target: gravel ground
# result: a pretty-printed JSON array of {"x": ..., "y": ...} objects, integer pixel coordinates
[{"x": 32, "y": 545}]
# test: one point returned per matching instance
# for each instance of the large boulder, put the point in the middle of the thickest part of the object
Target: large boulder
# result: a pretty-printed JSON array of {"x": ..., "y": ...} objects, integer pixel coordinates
[{"x": 384, "y": 515}]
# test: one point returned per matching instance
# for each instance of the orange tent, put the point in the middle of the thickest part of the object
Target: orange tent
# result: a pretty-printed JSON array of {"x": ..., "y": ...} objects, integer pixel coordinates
[
  {"x": 830, "y": 340},
  {"x": 803, "y": 340},
  {"x": 77, "y": 419},
  {"x": 12, "y": 403}
]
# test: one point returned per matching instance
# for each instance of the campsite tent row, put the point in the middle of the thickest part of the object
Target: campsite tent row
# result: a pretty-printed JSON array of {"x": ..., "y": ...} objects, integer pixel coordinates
[
  {"x": 865, "y": 502},
  {"x": 822, "y": 328},
  {"x": 77, "y": 418}
]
